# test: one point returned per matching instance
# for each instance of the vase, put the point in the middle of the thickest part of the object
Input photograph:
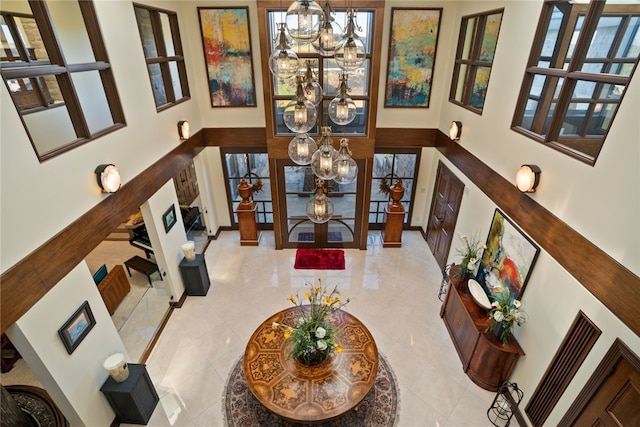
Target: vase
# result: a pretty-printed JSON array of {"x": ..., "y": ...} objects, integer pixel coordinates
[
  {"x": 502, "y": 331},
  {"x": 313, "y": 358}
]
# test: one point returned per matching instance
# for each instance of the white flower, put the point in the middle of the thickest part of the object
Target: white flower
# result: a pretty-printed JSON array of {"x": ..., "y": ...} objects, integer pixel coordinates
[
  {"x": 472, "y": 264},
  {"x": 321, "y": 333},
  {"x": 497, "y": 315},
  {"x": 464, "y": 238},
  {"x": 516, "y": 303},
  {"x": 321, "y": 344},
  {"x": 495, "y": 304}
]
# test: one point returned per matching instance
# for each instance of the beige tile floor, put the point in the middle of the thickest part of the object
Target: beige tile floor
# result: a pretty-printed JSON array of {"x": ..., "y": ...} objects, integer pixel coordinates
[{"x": 393, "y": 291}]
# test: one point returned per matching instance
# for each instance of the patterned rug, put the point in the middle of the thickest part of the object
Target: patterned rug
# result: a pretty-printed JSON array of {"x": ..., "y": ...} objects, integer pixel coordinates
[{"x": 379, "y": 408}]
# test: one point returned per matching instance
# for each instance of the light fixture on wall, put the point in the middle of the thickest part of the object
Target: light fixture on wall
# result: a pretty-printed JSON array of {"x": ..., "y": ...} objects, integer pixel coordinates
[
  {"x": 347, "y": 167},
  {"x": 342, "y": 110},
  {"x": 319, "y": 207},
  {"x": 324, "y": 161},
  {"x": 527, "y": 178},
  {"x": 283, "y": 63},
  {"x": 108, "y": 178},
  {"x": 455, "y": 130},
  {"x": 301, "y": 149},
  {"x": 184, "y": 131}
]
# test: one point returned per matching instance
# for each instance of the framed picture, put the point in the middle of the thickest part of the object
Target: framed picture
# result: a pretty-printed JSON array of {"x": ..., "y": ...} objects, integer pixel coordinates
[
  {"x": 226, "y": 40},
  {"x": 169, "y": 218},
  {"x": 77, "y": 327},
  {"x": 412, "y": 55},
  {"x": 508, "y": 260}
]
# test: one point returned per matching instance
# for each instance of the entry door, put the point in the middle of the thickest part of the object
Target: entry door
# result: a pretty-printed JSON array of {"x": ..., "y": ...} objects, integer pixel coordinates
[
  {"x": 342, "y": 231},
  {"x": 445, "y": 205}
]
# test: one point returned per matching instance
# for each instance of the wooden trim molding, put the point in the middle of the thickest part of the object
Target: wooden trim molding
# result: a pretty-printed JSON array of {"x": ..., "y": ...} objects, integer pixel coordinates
[{"x": 608, "y": 280}]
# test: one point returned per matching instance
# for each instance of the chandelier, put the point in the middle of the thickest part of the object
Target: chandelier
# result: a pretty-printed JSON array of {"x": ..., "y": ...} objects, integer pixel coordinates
[
  {"x": 330, "y": 33},
  {"x": 342, "y": 109},
  {"x": 319, "y": 207},
  {"x": 283, "y": 63},
  {"x": 300, "y": 115}
]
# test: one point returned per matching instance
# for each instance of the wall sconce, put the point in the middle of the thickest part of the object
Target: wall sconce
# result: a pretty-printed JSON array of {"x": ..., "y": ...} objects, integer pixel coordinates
[
  {"x": 455, "y": 130},
  {"x": 108, "y": 178},
  {"x": 527, "y": 178},
  {"x": 184, "y": 130}
]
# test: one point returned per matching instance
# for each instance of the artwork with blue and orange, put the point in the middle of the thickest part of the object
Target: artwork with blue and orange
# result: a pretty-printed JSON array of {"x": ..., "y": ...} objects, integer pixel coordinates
[
  {"x": 412, "y": 55},
  {"x": 226, "y": 40},
  {"x": 508, "y": 260}
]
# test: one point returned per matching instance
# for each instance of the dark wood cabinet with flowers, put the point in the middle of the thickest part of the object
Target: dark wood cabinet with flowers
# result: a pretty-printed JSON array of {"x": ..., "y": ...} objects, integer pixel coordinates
[{"x": 485, "y": 358}]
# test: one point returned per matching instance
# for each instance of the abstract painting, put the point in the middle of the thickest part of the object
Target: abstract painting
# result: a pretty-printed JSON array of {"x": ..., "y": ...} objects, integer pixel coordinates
[
  {"x": 508, "y": 260},
  {"x": 226, "y": 39},
  {"x": 412, "y": 55}
]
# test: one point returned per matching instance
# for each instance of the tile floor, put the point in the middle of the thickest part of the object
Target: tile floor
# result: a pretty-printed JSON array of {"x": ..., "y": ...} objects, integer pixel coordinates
[{"x": 393, "y": 291}]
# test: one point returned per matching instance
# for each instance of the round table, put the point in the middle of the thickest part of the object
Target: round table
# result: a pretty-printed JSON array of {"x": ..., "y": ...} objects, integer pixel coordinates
[{"x": 308, "y": 394}]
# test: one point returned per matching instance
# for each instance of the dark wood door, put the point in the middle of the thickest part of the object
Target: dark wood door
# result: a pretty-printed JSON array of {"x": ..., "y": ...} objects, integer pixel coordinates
[
  {"x": 186, "y": 185},
  {"x": 445, "y": 204},
  {"x": 617, "y": 401}
]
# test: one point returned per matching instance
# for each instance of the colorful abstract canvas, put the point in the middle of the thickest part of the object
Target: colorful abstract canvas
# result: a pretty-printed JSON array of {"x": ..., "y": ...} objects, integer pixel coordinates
[
  {"x": 508, "y": 260},
  {"x": 412, "y": 55},
  {"x": 226, "y": 39}
]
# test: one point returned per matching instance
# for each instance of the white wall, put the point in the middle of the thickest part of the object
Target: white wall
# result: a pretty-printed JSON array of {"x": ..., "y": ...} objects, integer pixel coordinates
[{"x": 35, "y": 335}]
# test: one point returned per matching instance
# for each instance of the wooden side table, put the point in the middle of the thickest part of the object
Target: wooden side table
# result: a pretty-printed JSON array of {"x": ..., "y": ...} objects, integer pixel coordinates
[{"x": 134, "y": 399}]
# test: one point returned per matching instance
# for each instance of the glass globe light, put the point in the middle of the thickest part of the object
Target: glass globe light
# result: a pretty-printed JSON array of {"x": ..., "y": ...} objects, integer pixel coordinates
[
  {"x": 330, "y": 33},
  {"x": 300, "y": 115},
  {"x": 303, "y": 20},
  {"x": 312, "y": 89},
  {"x": 324, "y": 161},
  {"x": 283, "y": 62},
  {"x": 301, "y": 149},
  {"x": 319, "y": 207},
  {"x": 350, "y": 53},
  {"x": 342, "y": 110},
  {"x": 346, "y": 166}
]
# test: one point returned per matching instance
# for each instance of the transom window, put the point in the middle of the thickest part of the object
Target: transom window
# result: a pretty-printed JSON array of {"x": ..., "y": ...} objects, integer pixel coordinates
[
  {"x": 474, "y": 58},
  {"x": 56, "y": 69},
  {"x": 581, "y": 62},
  {"x": 162, "y": 47},
  {"x": 328, "y": 75}
]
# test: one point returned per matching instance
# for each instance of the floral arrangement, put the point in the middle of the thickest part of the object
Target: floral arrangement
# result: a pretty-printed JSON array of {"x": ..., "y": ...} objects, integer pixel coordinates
[
  {"x": 505, "y": 314},
  {"x": 471, "y": 254},
  {"x": 312, "y": 337}
]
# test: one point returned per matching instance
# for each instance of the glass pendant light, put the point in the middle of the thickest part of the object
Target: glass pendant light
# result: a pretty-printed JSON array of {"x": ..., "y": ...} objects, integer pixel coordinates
[
  {"x": 342, "y": 109},
  {"x": 350, "y": 53},
  {"x": 324, "y": 160},
  {"x": 303, "y": 20},
  {"x": 300, "y": 115},
  {"x": 312, "y": 89},
  {"x": 283, "y": 63},
  {"x": 330, "y": 33},
  {"x": 301, "y": 149},
  {"x": 319, "y": 207},
  {"x": 347, "y": 167}
]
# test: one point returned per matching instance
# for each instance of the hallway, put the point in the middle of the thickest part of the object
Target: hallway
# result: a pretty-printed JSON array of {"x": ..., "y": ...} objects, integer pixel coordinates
[{"x": 393, "y": 291}]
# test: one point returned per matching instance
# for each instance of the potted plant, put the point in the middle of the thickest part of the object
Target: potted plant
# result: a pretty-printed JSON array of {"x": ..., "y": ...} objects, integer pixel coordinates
[
  {"x": 505, "y": 314},
  {"x": 471, "y": 254}
]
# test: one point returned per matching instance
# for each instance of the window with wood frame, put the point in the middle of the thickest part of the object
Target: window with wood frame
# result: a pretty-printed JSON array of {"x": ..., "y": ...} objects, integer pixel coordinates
[
  {"x": 581, "y": 62},
  {"x": 162, "y": 47},
  {"x": 474, "y": 58},
  {"x": 56, "y": 69},
  {"x": 328, "y": 74}
]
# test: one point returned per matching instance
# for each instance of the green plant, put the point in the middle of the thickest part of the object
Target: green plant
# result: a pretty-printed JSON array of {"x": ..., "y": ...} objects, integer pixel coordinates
[
  {"x": 312, "y": 338},
  {"x": 507, "y": 313},
  {"x": 470, "y": 253}
]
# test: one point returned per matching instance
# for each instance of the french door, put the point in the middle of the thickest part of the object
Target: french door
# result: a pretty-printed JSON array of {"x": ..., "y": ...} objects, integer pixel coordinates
[{"x": 297, "y": 185}]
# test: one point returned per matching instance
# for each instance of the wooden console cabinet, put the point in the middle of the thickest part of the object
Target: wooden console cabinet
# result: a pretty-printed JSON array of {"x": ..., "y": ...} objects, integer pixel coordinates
[{"x": 486, "y": 360}]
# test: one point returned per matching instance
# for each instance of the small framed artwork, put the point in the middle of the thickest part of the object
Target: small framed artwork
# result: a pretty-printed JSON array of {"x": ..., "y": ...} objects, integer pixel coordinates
[
  {"x": 169, "y": 218},
  {"x": 412, "y": 56},
  {"x": 226, "y": 40},
  {"x": 77, "y": 327},
  {"x": 508, "y": 260}
]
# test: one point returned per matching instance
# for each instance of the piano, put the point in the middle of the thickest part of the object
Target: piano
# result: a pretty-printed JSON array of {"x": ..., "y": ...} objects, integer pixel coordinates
[{"x": 139, "y": 238}]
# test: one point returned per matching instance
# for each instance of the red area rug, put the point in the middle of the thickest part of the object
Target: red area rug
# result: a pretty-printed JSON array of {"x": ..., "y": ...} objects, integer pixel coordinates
[{"x": 319, "y": 259}]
